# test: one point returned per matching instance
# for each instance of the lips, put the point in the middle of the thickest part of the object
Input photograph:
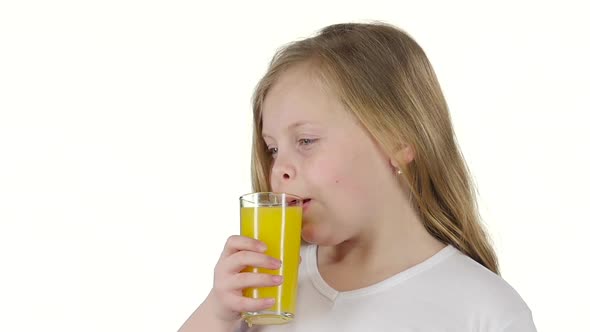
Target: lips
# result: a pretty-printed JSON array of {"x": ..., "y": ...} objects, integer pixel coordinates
[{"x": 306, "y": 203}]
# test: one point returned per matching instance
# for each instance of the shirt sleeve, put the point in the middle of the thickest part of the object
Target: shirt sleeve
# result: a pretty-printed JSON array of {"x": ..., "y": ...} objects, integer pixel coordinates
[{"x": 521, "y": 323}]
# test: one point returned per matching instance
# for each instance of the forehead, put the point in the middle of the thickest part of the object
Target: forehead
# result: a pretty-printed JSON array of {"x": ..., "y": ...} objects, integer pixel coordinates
[{"x": 299, "y": 95}]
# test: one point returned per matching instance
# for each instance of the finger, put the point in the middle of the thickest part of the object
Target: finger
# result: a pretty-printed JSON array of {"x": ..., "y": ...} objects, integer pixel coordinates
[
  {"x": 249, "y": 279},
  {"x": 240, "y": 260},
  {"x": 237, "y": 243},
  {"x": 244, "y": 304}
]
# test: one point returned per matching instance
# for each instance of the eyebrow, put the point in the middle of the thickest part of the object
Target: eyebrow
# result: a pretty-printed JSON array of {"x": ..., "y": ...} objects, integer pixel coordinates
[{"x": 291, "y": 126}]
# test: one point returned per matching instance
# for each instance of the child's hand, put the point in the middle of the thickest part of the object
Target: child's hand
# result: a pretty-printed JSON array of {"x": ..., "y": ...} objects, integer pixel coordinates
[{"x": 226, "y": 297}]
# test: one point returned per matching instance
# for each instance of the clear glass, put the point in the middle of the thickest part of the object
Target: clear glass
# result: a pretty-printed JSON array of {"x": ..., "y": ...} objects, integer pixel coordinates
[{"x": 275, "y": 219}]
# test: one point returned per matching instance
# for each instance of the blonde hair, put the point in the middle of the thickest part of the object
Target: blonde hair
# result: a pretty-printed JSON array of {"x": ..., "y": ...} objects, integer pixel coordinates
[{"x": 384, "y": 78}]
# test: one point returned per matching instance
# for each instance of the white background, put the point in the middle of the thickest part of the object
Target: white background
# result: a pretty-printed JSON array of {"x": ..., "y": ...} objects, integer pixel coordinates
[{"x": 125, "y": 143}]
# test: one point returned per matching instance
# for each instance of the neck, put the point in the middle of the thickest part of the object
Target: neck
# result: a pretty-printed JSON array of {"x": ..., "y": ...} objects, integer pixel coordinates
[{"x": 394, "y": 243}]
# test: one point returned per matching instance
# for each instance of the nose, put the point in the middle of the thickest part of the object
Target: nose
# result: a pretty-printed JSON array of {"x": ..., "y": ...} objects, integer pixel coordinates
[{"x": 283, "y": 172}]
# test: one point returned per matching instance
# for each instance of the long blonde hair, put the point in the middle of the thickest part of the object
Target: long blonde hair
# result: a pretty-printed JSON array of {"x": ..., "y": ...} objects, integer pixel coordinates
[{"x": 384, "y": 78}]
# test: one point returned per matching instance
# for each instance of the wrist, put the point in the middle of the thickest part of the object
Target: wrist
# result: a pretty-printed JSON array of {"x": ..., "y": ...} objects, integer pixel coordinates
[
  {"x": 211, "y": 308},
  {"x": 207, "y": 318}
]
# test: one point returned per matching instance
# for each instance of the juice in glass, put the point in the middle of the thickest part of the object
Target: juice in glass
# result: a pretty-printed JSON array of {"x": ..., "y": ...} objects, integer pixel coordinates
[{"x": 277, "y": 223}]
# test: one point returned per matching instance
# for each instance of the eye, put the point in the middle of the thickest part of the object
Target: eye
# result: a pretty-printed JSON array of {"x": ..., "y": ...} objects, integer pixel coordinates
[
  {"x": 272, "y": 151},
  {"x": 307, "y": 141}
]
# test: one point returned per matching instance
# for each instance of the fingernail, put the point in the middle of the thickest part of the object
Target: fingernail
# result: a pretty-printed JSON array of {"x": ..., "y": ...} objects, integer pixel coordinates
[
  {"x": 262, "y": 247},
  {"x": 276, "y": 263},
  {"x": 269, "y": 301},
  {"x": 277, "y": 279}
]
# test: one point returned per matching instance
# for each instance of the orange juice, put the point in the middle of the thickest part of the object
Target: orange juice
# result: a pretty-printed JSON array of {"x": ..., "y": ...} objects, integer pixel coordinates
[{"x": 280, "y": 229}]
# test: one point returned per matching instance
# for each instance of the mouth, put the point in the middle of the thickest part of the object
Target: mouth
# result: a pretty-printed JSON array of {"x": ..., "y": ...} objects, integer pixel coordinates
[
  {"x": 294, "y": 201},
  {"x": 306, "y": 203}
]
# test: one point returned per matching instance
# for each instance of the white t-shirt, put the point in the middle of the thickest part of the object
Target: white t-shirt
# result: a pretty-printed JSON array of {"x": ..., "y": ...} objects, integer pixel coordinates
[{"x": 447, "y": 292}]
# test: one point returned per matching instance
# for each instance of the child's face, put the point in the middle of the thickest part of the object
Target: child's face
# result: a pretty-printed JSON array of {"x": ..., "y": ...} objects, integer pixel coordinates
[{"x": 323, "y": 154}]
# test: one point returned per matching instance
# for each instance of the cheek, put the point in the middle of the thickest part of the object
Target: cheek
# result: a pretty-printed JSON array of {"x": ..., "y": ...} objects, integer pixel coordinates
[
  {"x": 339, "y": 179},
  {"x": 326, "y": 172}
]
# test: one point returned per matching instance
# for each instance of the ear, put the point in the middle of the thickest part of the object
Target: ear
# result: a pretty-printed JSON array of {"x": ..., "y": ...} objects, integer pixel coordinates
[{"x": 403, "y": 156}]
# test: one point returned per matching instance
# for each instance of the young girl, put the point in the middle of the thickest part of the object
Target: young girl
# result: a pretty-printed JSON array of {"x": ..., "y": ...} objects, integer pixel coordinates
[{"x": 354, "y": 121}]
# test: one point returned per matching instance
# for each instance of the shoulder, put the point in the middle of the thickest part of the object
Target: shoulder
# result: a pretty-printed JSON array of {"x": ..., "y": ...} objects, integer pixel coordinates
[
  {"x": 468, "y": 274},
  {"x": 486, "y": 296}
]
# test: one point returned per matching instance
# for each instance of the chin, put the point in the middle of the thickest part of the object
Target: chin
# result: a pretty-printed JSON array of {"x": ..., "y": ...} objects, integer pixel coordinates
[{"x": 319, "y": 234}]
